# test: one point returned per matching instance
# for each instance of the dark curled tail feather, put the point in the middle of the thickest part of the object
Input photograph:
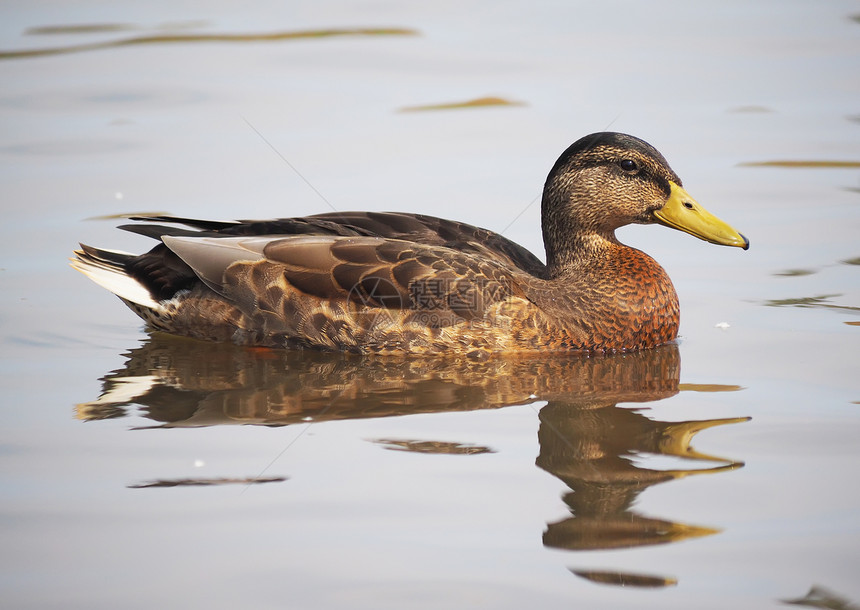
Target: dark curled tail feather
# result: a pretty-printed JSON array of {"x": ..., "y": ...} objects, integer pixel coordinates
[{"x": 105, "y": 259}]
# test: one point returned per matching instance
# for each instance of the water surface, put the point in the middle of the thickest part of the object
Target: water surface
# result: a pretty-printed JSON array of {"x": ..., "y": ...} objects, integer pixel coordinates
[{"x": 139, "y": 470}]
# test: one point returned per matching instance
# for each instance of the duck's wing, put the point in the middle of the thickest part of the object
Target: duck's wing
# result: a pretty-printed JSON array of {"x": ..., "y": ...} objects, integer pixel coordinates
[
  {"x": 258, "y": 271},
  {"x": 164, "y": 274},
  {"x": 416, "y": 228},
  {"x": 433, "y": 231}
]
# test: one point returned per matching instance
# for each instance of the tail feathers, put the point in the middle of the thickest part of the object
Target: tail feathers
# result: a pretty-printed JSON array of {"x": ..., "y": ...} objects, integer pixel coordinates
[
  {"x": 158, "y": 231},
  {"x": 107, "y": 269},
  {"x": 202, "y": 225}
]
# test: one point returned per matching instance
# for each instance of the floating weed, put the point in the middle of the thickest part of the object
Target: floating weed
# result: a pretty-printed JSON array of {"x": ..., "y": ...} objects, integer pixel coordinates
[
  {"x": 83, "y": 28},
  {"x": 819, "y": 301},
  {"x": 708, "y": 387},
  {"x": 191, "y": 38},
  {"x": 820, "y": 597},
  {"x": 801, "y": 301},
  {"x": 852, "y": 261},
  {"x": 102, "y": 28},
  {"x": 481, "y": 102},
  {"x": 853, "y": 323},
  {"x": 439, "y": 447},
  {"x": 803, "y": 164},
  {"x": 207, "y": 482},
  {"x": 794, "y": 272},
  {"x": 126, "y": 215},
  {"x": 625, "y": 579}
]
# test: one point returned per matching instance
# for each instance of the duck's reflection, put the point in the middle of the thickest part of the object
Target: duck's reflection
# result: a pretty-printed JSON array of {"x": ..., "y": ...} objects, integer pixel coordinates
[
  {"x": 595, "y": 453},
  {"x": 589, "y": 442}
]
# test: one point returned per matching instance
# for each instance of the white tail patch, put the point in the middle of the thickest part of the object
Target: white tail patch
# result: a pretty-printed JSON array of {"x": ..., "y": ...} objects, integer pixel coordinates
[{"x": 117, "y": 282}]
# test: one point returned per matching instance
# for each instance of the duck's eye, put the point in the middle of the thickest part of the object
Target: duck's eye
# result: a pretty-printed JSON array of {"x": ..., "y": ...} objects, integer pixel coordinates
[{"x": 628, "y": 165}]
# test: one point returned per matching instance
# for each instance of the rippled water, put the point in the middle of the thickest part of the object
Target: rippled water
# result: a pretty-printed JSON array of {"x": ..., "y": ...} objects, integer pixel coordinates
[{"x": 140, "y": 470}]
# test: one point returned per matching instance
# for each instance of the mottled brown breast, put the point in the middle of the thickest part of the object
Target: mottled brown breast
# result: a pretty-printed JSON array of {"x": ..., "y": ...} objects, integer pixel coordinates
[{"x": 622, "y": 301}]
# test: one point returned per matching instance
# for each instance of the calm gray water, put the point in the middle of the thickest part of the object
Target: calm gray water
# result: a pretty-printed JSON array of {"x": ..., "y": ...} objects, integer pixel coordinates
[{"x": 717, "y": 473}]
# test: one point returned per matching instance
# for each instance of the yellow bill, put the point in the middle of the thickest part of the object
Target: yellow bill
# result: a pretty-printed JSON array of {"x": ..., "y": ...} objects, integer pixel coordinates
[{"x": 684, "y": 213}]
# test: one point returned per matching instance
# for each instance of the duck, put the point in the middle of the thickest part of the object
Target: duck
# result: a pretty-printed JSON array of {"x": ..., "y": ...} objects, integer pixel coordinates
[{"x": 400, "y": 283}]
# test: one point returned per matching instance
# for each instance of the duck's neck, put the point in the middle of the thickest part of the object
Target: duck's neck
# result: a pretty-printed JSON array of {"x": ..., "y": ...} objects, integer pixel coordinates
[
  {"x": 576, "y": 250},
  {"x": 574, "y": 239}
]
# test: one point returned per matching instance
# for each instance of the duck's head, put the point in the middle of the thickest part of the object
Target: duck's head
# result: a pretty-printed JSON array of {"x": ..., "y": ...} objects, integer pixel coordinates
[{"x": 607, "y": 180}]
